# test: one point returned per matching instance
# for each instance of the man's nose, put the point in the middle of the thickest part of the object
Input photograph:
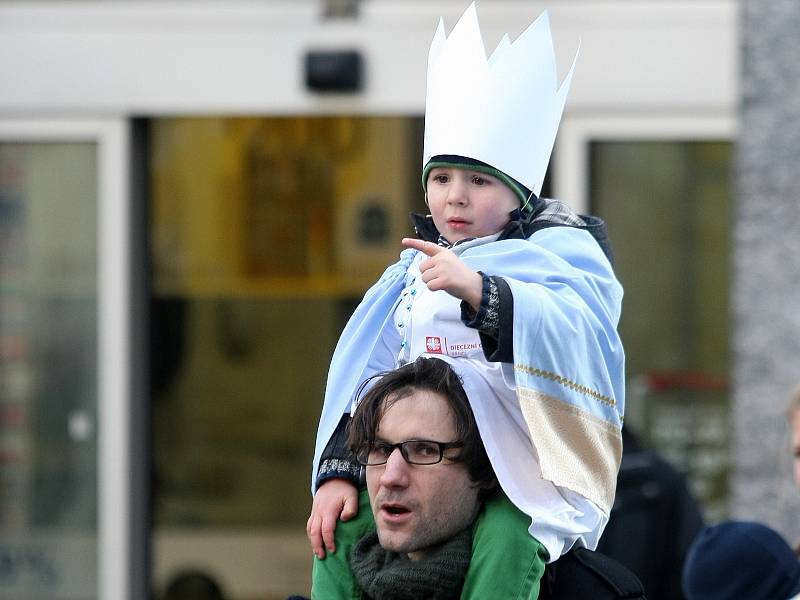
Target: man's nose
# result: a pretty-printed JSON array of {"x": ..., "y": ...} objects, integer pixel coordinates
[{"x": 395, "y": 472}]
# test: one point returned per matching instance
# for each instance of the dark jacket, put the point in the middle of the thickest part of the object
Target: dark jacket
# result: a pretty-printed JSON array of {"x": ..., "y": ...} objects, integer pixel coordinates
[
  {"x": 653, "y": 522},
  {"x": 582, "y": 574}
]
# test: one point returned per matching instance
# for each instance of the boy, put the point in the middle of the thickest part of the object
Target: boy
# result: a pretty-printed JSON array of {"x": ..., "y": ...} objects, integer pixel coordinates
[{"x": 518, "y": 289}]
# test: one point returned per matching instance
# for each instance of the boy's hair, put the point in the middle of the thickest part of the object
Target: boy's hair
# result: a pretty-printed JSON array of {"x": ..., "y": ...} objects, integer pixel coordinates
[
  {"x": 424, "y": 374},
  {"x": 528, "y": 201}
]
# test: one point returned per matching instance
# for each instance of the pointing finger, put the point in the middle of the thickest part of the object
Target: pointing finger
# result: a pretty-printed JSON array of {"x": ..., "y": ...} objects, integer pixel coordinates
[{"x": 428, "y": 248}]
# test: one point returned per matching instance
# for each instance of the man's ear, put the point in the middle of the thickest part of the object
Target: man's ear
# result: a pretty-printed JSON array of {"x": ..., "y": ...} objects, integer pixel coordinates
[
  {"x": 490, "y": 484},
  {"x": 487, "y": 488}
]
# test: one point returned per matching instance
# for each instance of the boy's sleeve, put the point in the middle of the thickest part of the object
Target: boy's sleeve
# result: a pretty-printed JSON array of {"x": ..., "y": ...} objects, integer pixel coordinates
[
  {"x": 364, "y": 348},
  {"x": 337, "y": 461},
  {"x": 494, "y": 320}
]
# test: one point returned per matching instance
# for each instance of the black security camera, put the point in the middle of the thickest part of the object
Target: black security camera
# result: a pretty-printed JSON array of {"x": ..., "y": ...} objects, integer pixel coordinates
[{"x": 337, "y": 71}]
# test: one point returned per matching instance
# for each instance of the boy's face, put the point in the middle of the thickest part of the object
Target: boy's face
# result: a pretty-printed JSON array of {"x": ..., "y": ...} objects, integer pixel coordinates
[{"x": 467, "y": 204}]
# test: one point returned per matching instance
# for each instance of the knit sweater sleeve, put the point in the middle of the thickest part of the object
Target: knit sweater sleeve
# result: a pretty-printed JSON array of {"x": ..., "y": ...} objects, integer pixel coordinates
[
  {"x": 337, "y": 461},
  {"x": 494, "y": 319}
]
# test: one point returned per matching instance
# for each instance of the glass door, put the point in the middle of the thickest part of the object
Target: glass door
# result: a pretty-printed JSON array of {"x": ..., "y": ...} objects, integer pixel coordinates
[
  {"x": 64, "y": 465},
  {"x": 265, "y": 232},
  {"x": 663, "y": 187}
]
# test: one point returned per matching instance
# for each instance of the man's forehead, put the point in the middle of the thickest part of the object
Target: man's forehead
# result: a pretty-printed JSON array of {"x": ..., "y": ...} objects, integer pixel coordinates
[{"x": 419, "y": 414}]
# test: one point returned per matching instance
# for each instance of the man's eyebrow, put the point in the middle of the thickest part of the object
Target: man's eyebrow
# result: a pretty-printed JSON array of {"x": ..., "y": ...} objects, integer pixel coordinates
[{"x": 411, "y": 439}]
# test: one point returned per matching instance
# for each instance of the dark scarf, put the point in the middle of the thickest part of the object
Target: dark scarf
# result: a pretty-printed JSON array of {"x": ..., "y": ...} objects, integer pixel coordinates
[{"x": 385, "y": 575}]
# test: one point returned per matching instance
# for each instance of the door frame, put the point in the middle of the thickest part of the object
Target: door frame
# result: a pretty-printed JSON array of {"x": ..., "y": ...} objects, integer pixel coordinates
[
  {"x": 571, "y": 155},
  {"x": 116, "y": 497}
]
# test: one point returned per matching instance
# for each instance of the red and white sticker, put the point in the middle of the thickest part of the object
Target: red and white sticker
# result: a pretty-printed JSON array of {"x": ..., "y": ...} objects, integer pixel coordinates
[{"x": 433, "y": 344}]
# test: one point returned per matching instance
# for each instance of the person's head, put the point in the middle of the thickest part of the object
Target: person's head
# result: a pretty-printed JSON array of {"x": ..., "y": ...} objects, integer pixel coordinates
[
  {"x": 193, "y": 585},
  {"x": 468, "y": 198},
  {"x": 428, "y": 490},
  {"x": 740, "y": 559},
  {"x": 793, "y": 414},
  {"x": 499, "y": 113}
]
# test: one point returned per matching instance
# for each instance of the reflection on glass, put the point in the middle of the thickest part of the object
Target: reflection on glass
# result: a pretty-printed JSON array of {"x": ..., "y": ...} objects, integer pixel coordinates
[
  {"x": 668, "y": 206},
  {"x": 265, "y": 233},
  {"x": 280, "y": 205},
  {"x": 48, "y": 370}
]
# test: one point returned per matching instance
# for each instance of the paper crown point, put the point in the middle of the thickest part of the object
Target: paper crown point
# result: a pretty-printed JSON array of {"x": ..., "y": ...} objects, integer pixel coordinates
[{"x": 504, "y": 110}]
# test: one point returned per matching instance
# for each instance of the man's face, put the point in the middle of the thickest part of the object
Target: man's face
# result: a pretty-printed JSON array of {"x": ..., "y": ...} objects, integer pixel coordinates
[
  {"x": 419, "y": 506},
  {"x": 796, "y": 444}
]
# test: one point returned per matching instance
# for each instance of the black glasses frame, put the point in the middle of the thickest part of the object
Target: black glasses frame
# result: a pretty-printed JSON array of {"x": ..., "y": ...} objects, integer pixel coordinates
[{"x": 362, "y": 456}]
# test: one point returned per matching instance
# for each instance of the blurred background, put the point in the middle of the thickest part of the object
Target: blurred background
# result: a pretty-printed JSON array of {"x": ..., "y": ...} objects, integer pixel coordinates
[{"x": 195, "y": 195}]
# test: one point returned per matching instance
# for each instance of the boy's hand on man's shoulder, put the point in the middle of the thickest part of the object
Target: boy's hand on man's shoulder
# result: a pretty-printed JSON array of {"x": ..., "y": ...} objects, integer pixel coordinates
[
  {"x": 335, "y": 499},
  {"x": 443, "y": 270}
]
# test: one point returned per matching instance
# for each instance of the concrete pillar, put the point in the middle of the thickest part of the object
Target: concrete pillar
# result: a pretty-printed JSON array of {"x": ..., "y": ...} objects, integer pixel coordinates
[{"x": 766, "y": 265}]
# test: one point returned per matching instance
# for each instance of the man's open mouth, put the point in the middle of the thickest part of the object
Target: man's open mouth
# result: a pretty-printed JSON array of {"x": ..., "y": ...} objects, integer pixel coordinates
[{"x": 395, "y": 509}]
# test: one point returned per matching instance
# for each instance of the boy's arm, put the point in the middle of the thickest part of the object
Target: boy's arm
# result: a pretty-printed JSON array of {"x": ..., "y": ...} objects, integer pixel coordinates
[
  {"x": 338, "y": 498},
  {"x": 336, "y": 461},
  {"x": 334, "y": 501},
  {"x": 494, "y": 319},
  {"x": 486, "y": 301}
]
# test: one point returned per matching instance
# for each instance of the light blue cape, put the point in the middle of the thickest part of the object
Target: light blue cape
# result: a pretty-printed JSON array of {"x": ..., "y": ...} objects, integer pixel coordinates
[{"x": 568, "y": 359}]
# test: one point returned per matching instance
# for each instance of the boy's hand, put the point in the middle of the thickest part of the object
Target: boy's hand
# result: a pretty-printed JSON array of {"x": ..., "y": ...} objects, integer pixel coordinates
[
  {"x": 443, "y": 270},
  {"x": 335, "y": 499}
]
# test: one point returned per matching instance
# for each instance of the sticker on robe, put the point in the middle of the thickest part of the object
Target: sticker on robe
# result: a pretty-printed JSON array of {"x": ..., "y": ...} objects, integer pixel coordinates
[
  {"x": 436, "y": 326},
  {"x": 433, "y": 344}
]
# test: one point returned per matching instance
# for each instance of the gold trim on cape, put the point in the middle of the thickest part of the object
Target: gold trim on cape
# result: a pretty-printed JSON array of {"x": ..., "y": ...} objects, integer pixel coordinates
[
  {"x": 576, "y": 449},
  {"x": 582, "y": 389}
]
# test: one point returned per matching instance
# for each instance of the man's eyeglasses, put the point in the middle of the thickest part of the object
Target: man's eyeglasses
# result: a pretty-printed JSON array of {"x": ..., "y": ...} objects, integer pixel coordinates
[{"x": 414, "y": 452}]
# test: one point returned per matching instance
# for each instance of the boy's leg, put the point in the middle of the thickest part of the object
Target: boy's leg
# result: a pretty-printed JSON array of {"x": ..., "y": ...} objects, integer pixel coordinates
[
  {"x": 507, "y": 562},
  {"x": 331, "y": 578}
]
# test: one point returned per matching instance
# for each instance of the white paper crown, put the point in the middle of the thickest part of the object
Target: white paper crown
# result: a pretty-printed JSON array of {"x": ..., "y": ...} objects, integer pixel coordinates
[{"x": 503, "y": 111}]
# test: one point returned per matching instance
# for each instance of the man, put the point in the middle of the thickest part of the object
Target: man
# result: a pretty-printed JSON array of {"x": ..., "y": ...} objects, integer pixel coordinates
[
  {"x": 429, "y": 486},
  {"x": 418, "y": 417},
  {"x": 793, "y": 414}
]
